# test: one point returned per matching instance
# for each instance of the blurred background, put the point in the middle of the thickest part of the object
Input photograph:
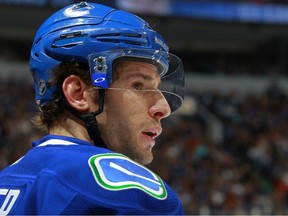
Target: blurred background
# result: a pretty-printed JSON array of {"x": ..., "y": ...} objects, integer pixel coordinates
[{"x": 226, "y": 150}]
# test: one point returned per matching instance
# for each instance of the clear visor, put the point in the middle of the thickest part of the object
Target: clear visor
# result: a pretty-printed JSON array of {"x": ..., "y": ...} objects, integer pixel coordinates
[
  {"x": 169, "y": 68},
  {"x": 173, "y": 82}
]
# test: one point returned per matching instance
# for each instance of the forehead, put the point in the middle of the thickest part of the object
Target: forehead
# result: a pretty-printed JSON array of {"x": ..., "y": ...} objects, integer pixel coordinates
[{"x": 126, "y": 69}]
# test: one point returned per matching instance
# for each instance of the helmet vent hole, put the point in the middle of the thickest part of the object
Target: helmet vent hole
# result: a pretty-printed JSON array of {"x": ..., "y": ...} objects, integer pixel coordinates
[
  {"x": 36, "y": 55},
  {"x": 109, "y": 35},
  {"x": 132, "y": 35},
  {"x": 126, "y": 38},
  {"x": 133, "y": 43},
  {"x": 37, "y": 41},
  {"x": 64, "y": 46}
]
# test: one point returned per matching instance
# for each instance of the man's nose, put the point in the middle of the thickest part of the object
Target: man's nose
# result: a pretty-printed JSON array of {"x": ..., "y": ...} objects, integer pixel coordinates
[{"x": 160, "y": 109}]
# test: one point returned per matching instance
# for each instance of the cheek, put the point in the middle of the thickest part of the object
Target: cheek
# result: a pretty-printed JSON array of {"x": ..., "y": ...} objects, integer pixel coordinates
[{"x": 126, "y": 102}]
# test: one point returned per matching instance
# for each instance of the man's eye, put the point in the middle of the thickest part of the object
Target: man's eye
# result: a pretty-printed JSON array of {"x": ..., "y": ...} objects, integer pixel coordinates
[{"x": 137, "y": 86}]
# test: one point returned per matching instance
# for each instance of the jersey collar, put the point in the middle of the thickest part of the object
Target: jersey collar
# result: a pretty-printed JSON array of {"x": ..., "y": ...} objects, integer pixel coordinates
[{"x": 59, "y": 140}]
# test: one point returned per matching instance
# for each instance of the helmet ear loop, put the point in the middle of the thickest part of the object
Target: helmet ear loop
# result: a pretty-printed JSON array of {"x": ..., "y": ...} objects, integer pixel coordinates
[{"x": 89, "y": 119}]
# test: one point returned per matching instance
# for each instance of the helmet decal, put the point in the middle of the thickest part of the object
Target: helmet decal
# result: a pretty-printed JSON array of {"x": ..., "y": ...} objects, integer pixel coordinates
[
  {"x": 99, "y": 80},
  {"x": 80, "y": 9},
  {"x": 161, "y": 43},
  {"x": 42, "y": 87}
]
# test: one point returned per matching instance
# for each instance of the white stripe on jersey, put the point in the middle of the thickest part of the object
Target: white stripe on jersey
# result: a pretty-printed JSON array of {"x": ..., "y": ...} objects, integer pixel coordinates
[{"x": 56, "y": 142}]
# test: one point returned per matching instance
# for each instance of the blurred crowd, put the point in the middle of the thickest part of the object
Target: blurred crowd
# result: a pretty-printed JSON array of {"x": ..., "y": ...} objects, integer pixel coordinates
[
  {"x": 260, "y": 1},
  {"x": 16, "y": 109},
  {"x": 244, "y": 173},
  {"x": 270, "y": 1},
  {"x": 254, "y": 64}
]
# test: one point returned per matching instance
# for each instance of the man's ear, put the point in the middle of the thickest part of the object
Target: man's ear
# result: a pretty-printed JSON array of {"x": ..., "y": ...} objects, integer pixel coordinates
[{"x": 75, "y": 92}]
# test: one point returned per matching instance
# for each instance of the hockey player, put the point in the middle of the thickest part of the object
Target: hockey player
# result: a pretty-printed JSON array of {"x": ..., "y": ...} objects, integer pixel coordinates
[{"x": 104, "y": 80}]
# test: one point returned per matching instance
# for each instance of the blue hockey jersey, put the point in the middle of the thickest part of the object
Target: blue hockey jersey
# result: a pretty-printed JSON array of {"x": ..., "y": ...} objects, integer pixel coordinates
[{"x": 64, "y": 175}]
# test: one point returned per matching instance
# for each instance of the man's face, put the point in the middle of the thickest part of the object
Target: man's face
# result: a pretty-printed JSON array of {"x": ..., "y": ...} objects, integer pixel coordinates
[{"x": 131, "y": 118}]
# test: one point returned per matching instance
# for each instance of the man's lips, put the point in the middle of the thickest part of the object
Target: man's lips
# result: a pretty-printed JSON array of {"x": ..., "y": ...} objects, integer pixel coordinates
[{"x": 153, "y": 132}]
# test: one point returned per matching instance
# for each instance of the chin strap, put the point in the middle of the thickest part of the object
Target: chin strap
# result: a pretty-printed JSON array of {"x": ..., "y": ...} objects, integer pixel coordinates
[{"x": 89, "y": 119}]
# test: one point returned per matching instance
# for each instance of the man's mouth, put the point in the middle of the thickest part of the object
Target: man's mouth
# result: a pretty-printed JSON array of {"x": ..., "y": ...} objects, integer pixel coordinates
[{"x": 153, "y": 132}]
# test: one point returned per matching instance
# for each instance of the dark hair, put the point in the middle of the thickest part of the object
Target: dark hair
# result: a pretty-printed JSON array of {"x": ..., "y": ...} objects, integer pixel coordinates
[{"x": 51, "y": 114}]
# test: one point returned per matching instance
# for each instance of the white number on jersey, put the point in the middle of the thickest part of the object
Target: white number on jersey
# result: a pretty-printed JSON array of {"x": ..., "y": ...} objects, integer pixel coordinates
[{"x": 10, "y": 197}]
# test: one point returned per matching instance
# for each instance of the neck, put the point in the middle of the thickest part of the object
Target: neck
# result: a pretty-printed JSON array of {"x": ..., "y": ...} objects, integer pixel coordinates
[{"x": 70, "y": 128}]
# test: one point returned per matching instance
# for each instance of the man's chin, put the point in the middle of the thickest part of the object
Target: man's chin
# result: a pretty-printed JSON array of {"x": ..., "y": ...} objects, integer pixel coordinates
[{"x": 147, "y": 159}]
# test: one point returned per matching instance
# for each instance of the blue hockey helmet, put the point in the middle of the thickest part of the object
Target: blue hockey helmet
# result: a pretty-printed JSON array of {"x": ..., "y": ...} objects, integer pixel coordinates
[{"x": 99, "y": 35}]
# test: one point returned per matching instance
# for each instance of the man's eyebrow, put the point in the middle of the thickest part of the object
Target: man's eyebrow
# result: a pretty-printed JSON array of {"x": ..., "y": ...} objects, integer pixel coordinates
[{"x": 140, "y": 75}]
